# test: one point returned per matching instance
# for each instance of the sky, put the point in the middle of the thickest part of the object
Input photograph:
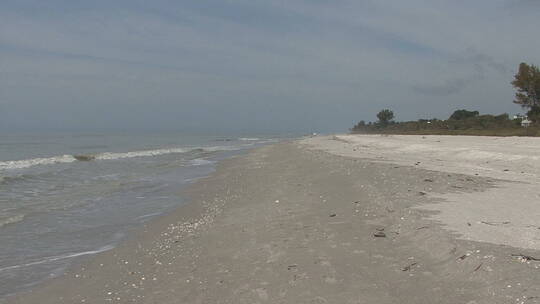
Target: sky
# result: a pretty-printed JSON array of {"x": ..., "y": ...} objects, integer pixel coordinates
[{"x": 254, "y": 65}]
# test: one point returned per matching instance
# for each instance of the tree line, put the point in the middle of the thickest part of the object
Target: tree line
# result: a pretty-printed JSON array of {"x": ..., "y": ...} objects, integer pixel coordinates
[{"x": 527, "y": 85}]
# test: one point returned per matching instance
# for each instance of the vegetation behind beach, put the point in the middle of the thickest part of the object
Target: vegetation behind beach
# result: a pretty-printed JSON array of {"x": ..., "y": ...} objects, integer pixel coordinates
[{"x": 465, "y": 122}]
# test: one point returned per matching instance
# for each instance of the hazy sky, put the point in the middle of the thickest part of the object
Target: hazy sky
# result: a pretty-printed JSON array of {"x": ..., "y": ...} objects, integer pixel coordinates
[{"x": 263, "y": 65}]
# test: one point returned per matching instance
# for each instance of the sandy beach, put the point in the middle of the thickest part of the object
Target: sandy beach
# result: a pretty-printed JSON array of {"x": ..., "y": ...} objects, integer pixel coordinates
[{"x": 336, "y": 219}]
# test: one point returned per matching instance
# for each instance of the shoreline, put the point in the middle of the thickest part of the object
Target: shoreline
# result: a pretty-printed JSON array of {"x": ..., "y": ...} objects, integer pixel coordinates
[
  {"x": 67, "y": 261},
  {"x": 285, "y": 223}
]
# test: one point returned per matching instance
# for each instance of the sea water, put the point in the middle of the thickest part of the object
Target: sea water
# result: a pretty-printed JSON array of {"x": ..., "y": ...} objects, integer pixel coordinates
[{"x": 64, "y": 196}]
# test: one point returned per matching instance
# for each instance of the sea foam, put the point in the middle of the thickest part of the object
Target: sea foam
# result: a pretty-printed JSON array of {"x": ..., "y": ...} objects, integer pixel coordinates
[{"x": 26, "y": 163}]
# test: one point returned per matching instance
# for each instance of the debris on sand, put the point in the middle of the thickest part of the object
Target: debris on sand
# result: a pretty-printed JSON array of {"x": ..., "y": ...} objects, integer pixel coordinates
[
  {"x": 379, "y": 234},
  {"x": 408, "y": 267},
  {"x": 333, "y": 215},
  {"x": 495, "y": 223},
  {"x": 463, "y": 257},
  {"x": 526, "y": 258},
  {"x": 478, "y": 267}
]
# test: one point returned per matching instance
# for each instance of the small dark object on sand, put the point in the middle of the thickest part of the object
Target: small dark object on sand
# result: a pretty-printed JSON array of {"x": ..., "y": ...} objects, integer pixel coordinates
[
  {"x": 423, "y": 227},
  {"x": 478, "y": 267},
  {"x": 408, "y": 267},
  {"x": 333, "y": 215},
  {"x": 495, "y": 223},
  {"x": 526, "y": 257},
  {"x": 428, "y": 180},
  {"x": 379, "y": 234},
  {"x": 422, "y": 193},
  {"x": 463, "y": 257},
  {"x": 290, "y": 267},
  {"x": 469, "y": 224}
]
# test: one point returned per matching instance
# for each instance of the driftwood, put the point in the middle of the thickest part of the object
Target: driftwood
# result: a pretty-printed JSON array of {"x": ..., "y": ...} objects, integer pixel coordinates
[
  {"x": 495, "y": 223},
  {"x": 379, "y": 234},
  {"x": 526, "y": 257},
  {"x": 478, "y": 267},
  {"x": 463, "y": 257}
]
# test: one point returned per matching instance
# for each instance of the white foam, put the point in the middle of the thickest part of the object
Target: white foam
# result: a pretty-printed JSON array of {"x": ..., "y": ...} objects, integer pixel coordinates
[
  {"x": 111, "y": 155},
  {"x": 21, "y": 164},
  {"x": 200, "y": 162},
  {"x": 26, "y": 163},
  {"x": 58, "y": 257},
  {"x": 249, "y": 139}
]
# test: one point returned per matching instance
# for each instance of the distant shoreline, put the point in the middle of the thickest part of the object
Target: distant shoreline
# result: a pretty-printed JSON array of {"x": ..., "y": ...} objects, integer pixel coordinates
[{"x": 523, "y": 132}]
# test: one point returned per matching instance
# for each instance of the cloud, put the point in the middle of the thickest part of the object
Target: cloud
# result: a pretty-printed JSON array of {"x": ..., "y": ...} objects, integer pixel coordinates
[
  {"x": 449, "y": 87},
  {"x": 295, "y": 65}
]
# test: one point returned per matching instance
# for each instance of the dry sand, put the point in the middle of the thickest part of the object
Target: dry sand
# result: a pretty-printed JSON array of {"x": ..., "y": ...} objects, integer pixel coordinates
[
  {"x": 291, "y": 223},
  {"x": 508, "y": 214}
]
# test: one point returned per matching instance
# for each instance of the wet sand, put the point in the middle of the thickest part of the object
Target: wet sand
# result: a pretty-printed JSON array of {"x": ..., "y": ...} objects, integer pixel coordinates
[{"x": 293, "y": 223}]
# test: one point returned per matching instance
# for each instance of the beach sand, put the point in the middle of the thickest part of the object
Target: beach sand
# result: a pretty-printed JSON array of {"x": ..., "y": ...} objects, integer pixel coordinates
[{"x": 327, "y": 220}]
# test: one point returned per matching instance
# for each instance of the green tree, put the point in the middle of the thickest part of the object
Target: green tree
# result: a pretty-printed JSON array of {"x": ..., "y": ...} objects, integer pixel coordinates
[
  {"x": 385, "y": 116},
  {"x": 527, "y": 84},
  {"x": 463, "y": 114},
  {"x": 534, "y": 114}
]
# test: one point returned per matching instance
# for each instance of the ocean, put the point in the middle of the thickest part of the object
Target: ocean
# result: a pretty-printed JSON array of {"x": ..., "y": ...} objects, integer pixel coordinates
[{"x": 65, "y": 196}]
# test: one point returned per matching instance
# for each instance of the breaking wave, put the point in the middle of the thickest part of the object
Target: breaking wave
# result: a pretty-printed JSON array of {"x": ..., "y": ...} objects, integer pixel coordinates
[
  {"x": 11, "y": 220},
  {"x": 110, "y": 155},
  {"x": 26, "y": 163}
]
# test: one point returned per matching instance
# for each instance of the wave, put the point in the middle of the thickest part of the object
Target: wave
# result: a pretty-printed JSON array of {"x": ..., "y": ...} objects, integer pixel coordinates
[
  {"x": 146, "y": 216},
  {"x": 143, "y": 153},
  {"x": 58, "y": 257},
  {"x": 11, "y": 220},
  {"x": 249, "y": 139},
  {"x": 200, "y": 162},
  {"x": 5, "y": 180},
  {"x": 26, "y": 163}
]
